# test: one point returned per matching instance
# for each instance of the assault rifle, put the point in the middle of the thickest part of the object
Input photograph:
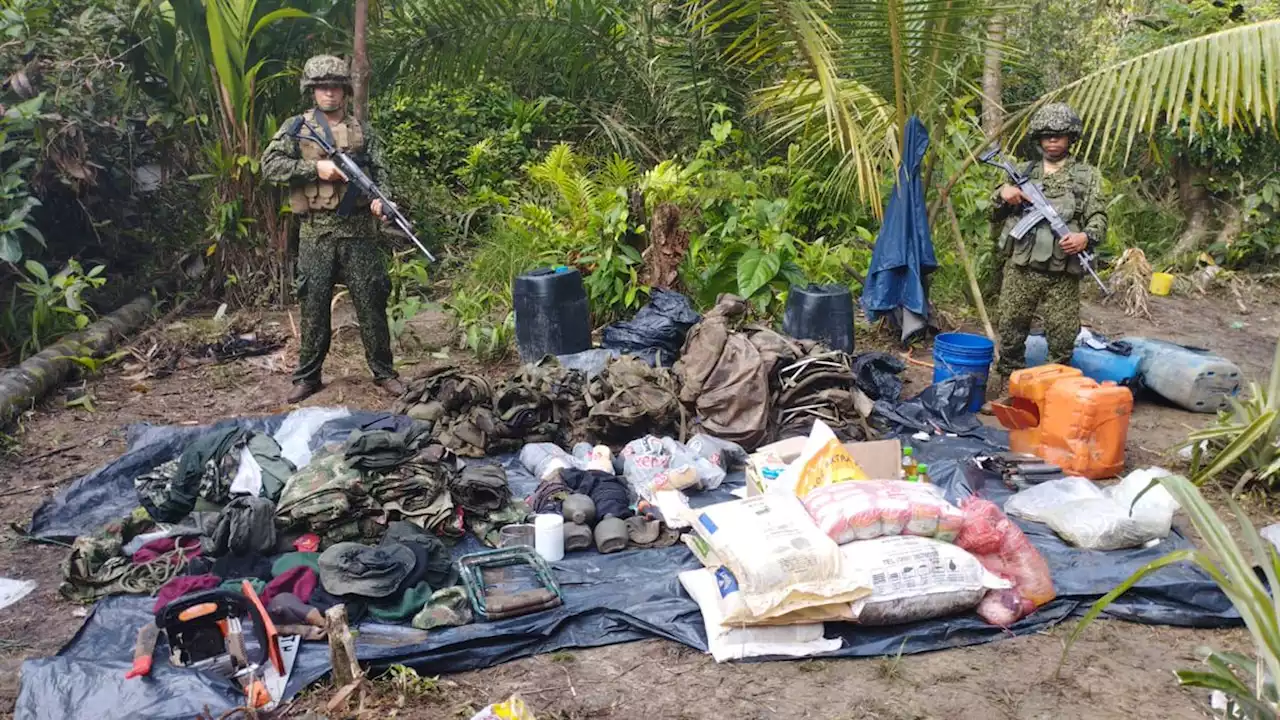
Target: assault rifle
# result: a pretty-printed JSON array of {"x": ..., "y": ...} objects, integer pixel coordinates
[
  {"x": 1040, "y": 209},
  {"x": 360, "y": 183}
]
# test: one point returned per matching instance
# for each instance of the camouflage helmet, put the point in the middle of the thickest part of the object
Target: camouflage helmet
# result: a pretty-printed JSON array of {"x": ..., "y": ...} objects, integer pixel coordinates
[
  {"x": 325, "y": 70},
  {"x": 1055, "y": 119}
]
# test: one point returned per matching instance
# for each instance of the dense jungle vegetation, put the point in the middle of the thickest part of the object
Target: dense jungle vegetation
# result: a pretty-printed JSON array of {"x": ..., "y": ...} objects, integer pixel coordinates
[{"x": 707, "y": 145}]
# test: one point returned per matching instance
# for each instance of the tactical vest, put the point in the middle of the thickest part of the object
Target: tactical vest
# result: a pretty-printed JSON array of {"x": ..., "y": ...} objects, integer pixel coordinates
[{"x": 321, "y": 195}]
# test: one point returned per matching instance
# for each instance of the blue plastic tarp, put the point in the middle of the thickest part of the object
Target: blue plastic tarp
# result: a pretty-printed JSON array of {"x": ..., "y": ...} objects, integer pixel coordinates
[{"x": 903, "y": 253}]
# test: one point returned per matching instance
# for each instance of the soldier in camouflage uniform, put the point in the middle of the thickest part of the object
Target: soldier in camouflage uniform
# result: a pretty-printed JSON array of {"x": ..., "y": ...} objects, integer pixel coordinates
[
  {"x": 337, "y": 234},
  {"x": 1041, "y": 272}
]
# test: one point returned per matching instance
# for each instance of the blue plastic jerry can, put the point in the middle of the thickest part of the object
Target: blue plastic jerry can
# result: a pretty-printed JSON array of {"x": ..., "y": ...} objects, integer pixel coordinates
[
  {"x": 1100, "y": 364},
  {"x": 1105, "y": 364}
]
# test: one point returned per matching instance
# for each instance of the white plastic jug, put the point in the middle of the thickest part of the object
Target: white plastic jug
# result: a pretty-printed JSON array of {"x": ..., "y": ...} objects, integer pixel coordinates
[{"x": 548, "y": 537}]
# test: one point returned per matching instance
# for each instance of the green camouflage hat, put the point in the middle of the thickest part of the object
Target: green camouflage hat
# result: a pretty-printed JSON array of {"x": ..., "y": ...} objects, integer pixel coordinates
[
  {"x": 325, "y": 70},
  {"x": 1055, "y": 119}
]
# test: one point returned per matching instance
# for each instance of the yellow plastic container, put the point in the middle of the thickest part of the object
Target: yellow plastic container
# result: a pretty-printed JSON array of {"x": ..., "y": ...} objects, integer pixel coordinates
[{"x": 1161, "y": 283}]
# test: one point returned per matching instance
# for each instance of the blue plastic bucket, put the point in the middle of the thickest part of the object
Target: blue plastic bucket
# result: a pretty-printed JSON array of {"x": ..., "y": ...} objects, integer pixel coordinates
[{"x": 964, "y": 354}]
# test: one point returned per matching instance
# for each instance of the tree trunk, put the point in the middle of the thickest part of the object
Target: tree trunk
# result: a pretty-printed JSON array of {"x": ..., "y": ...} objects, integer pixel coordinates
[
  {"x": 1197, "y": 207},
  {"x": 360, "y": 64},
  {"x": 992, "y": 77},
  {"x": 667, "y": 249},
  {"x": 22, "y": 386}
]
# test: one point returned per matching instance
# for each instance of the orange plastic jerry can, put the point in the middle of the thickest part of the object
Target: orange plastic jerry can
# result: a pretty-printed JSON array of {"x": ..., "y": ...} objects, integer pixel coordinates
[
  {"x": 1085, "y": 427},
  {"x": 1027, "y": 392},
  {"x": 1071, "y": 421}
]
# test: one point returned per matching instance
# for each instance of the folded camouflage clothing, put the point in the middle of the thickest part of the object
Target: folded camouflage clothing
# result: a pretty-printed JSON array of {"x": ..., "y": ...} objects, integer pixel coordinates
[
  {"x": 201, "y": 477},
  {"x": 327, "y": 497}
]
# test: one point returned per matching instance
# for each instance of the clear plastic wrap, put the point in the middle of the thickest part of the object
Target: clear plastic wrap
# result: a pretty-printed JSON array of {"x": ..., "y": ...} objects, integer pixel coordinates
[
  {"x": 1002, "y": 548},
  {"x": 868, "y": 509},
  {"x": 1112, "y": 519}
]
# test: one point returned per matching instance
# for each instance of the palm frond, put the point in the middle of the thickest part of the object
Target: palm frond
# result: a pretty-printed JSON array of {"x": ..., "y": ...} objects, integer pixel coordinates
[
  {"x": 851, "y": 71},
  {"x": 1233, "y": 76}
]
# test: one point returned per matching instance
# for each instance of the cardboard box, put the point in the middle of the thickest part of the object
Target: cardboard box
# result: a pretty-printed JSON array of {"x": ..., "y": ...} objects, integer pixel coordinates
[{"x": 879, "y": 459}]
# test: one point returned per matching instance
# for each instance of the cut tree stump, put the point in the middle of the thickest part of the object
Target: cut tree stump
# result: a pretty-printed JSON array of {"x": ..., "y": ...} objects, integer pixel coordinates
[{"x": 342, "y": 648}]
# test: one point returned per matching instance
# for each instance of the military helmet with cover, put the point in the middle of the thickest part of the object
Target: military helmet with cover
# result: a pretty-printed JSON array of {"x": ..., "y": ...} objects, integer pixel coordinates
[
  {"x": 1055, "y": 119},
  {"x": 325, "y": 70}
]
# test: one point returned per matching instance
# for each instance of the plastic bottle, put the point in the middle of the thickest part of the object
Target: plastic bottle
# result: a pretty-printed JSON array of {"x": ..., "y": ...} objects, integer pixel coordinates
[
  {"x": 908, "y": 462},
  {"x": 548, "y": 538},
  {"x": 922, "y": 474}
]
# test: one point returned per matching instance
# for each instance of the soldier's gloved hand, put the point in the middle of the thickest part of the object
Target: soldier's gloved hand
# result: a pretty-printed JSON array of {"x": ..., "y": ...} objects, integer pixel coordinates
[
  {"x": 1012, "y": 195},
  {"x": 328, "y": 171},
  {"x": 1074, "y": 243}
]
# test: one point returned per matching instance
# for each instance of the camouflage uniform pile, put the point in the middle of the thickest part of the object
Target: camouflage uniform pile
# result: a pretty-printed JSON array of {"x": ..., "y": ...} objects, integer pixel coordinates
[
  {"x": 474, "y": 418},
  {"x": 334, "y": 500}
]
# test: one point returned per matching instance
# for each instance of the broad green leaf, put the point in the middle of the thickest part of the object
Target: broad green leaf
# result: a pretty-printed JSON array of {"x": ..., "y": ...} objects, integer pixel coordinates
[
  {"x": 755, "y": 270},
  {"x": 37, "y": 269},
  {"x": 10, "y": 249}
]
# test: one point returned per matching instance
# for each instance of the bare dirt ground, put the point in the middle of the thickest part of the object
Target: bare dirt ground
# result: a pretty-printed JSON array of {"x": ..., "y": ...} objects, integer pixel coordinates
[{"x": 1117, "y": 670}]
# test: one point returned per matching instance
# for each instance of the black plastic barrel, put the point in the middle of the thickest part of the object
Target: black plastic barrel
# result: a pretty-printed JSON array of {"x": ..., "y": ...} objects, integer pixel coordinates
[
  {"x": 552, "y": 317},
  {"x": 821, "y": 312}
]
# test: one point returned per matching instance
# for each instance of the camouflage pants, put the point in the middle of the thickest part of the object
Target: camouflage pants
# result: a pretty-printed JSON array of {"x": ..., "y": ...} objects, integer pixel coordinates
[
  {"x": 1023, "y": 291},
  {"x": 325, "y": 258}
]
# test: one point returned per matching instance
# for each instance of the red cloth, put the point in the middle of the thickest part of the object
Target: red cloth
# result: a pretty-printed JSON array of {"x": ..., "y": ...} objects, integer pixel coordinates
[
  {"x": 300, "y": 581},
  {"x": 156, "y": 548},
  {"x": 184, "y": 585}
]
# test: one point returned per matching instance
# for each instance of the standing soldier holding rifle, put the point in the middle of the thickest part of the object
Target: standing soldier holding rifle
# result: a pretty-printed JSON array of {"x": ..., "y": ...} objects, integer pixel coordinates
[
  {"x": 337, "y": 232},
  {"x": 1044, "y": 264}
]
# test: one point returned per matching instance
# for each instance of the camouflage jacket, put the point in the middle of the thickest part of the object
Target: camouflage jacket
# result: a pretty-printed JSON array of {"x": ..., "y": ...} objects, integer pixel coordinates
[
  {"x": 1076, "y": 192},
  {"x": 283, "y": 164}
]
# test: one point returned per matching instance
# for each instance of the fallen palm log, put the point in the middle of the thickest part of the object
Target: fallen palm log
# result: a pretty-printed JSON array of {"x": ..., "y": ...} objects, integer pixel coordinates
[{"x": 21, "y": 387}]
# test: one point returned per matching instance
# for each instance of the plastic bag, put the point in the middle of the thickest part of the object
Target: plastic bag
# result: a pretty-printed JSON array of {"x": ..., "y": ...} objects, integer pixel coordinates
[
  {"x": 729, "y": 642},
  {"x": 876, "y": 375},
  {"x": 513, "y": 709},
  {"x": 879, "y": 508},
  {"x": 824, "y": 461},
  {"x": 941, "y": 406},
  {"x": 1032, "y": 503},
  {"x": 652, "y": 465},
  {"x": 1002, "y": 548},
  {"x": 657, "y": 332},
  {"x": 647, "y": 465},
  {"x": 780, "y": 559},
  {"x": 297, "y": 429},
  {"x": 722, "y": 454},
  {"x": 1095, "y": 519},
  {"x": 542, "y": 459},
  {"x": 914, "y": 578}
]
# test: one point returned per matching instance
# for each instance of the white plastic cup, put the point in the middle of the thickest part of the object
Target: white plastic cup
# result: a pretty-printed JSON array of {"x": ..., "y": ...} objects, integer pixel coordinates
[{"x": 548, "y": 537}]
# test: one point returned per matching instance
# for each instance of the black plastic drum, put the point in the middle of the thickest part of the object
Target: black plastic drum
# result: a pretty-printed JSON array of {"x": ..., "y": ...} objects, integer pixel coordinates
[
  {"x": 821, "y": 312},
  {"x": 552, "y": 317}
]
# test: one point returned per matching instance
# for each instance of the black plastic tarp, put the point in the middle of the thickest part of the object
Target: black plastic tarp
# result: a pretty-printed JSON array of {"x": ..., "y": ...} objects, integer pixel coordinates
[{"x": 608, "y": 599}]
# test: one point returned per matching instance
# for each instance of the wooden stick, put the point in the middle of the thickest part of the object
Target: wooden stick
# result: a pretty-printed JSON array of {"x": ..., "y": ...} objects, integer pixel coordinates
[
  {"x": 973, "y": 278},
  {"x": 342, "y": 648}
]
